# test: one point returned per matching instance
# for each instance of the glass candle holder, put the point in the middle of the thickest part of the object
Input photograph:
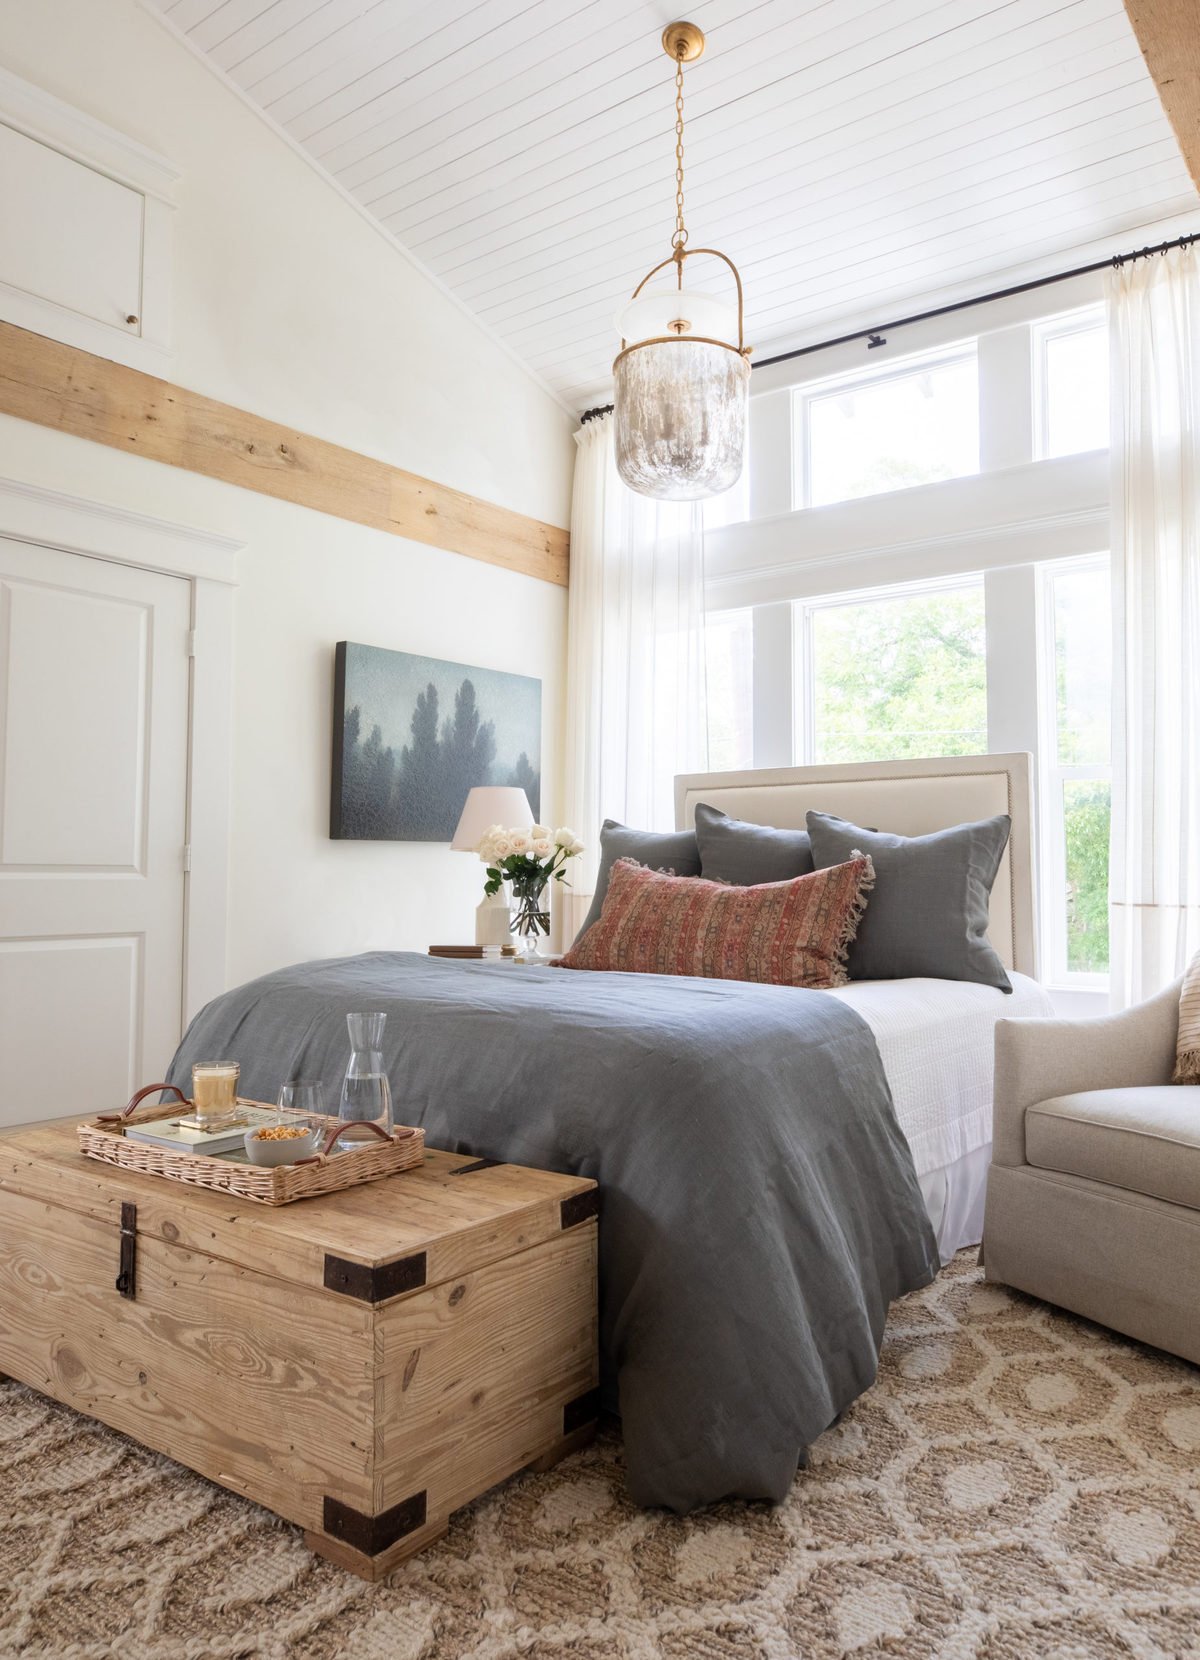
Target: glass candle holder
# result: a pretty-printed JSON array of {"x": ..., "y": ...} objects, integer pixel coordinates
[{"x": 214, "y": 1093}]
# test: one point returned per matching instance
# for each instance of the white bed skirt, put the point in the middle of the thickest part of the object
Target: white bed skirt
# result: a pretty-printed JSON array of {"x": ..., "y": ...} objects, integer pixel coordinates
[
  {"x": 936, "y": 1040},
  {"x": 954, "y": 1198}
]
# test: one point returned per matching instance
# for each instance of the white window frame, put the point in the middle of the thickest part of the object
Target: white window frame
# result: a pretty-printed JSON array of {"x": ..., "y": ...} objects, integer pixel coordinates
[
  {"x": 1019, "y": 514},
  {"x": 1053, "y": 774},
  {"x": 804, "y": 690},
  {"x": 1080, "y": 321},
  {"x": 901, "y": 368}
]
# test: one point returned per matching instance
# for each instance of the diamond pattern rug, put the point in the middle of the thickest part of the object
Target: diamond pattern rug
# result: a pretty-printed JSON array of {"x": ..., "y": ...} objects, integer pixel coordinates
[{"x": 1018, "y": 1484}]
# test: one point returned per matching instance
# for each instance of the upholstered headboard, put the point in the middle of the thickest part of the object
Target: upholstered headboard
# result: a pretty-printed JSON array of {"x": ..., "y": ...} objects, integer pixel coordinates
[{"x": 910, "y": 798}]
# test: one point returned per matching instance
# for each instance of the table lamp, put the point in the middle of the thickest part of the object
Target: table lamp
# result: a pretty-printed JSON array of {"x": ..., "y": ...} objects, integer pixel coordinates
[{"x": 489, "y": 804}]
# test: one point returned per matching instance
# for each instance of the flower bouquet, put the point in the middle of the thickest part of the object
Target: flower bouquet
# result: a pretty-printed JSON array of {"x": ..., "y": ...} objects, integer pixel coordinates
[{"x": 529, "y": 859}]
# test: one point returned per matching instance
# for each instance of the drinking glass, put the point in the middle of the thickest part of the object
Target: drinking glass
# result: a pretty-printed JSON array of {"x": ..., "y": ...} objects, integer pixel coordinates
[
  {"x": 366, "y": 1093},
  {"x": 214, "y": 1093},
  {"x": 305, "y": 1095}
]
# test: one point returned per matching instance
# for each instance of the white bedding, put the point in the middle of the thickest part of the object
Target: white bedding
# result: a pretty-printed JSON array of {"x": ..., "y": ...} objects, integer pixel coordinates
[{"x": 935, "y": 1040}]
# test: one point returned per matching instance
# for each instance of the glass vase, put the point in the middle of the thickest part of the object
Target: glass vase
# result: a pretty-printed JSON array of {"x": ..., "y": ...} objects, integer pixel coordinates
[
  {"x": 530, "y": 921},
  {"x": 366, "y": 1094}
]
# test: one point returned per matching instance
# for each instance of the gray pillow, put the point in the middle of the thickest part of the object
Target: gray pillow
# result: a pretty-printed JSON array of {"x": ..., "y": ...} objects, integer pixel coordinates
[
  {"x": 731, "y": 850},
  {"x": 928, "y": 911},
  {"x": 673, "y": 850}
]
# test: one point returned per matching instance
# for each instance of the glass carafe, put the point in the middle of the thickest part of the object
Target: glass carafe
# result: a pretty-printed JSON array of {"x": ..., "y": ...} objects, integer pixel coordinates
[{"x": 366, "y": 1094}]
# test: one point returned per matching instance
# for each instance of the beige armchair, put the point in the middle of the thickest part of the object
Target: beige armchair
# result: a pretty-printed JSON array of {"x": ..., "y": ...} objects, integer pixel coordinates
[{"x": 1093, "y": 1197}]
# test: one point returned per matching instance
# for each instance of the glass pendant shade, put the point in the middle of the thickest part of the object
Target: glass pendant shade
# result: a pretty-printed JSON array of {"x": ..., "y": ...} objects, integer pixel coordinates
[
  {"x": 676, "y": 312},
  {"x": 681, "y": 379},
  {"x": 680, "y": 413}
]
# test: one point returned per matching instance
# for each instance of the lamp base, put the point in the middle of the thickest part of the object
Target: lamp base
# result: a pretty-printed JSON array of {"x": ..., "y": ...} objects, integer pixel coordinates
[{"x": 492, "y": 919}]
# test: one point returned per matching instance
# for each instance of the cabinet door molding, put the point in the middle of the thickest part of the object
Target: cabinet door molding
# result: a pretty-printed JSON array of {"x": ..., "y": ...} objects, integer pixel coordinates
[{"x": 86, "y": 257}]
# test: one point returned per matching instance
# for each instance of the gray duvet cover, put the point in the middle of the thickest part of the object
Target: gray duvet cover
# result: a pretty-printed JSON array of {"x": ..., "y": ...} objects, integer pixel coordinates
[{"x": 760, "y": 1209}]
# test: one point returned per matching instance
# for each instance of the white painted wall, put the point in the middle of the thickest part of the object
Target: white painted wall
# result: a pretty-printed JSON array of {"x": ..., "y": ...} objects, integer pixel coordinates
[{"x": 288, "y": 304}]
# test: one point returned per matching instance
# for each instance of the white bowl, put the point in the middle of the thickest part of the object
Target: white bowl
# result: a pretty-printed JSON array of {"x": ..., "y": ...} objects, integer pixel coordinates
[{"x": 271, "y": 1153}]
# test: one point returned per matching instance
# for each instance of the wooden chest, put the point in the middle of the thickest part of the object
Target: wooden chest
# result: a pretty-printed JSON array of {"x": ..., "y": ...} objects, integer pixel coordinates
[{"x": 363, "y": 1364}]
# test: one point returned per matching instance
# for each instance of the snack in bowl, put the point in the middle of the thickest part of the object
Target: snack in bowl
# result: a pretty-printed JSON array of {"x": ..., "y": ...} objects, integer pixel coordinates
[{"x": 282, "y": 1143}]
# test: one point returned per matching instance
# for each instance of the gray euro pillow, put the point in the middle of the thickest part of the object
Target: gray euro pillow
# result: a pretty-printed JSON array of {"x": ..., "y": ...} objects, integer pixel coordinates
[
  {"x": 928, "y": 912},
  {"x": 671, "y": 850},
  {"x": 743, "y": 854}
]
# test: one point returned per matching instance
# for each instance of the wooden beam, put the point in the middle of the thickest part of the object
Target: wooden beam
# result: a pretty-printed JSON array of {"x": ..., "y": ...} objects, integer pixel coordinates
[
  {"x": 1168, "y": 33},
  {"x": 59, "y": 386}
]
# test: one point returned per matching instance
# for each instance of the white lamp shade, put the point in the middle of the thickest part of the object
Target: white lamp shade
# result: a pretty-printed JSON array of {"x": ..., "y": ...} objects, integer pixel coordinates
[{"x": 489, "y": 804}]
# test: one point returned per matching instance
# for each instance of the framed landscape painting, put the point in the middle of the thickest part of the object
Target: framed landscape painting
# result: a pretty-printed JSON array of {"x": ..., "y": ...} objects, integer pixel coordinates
[{"x": 411, "y": 735}]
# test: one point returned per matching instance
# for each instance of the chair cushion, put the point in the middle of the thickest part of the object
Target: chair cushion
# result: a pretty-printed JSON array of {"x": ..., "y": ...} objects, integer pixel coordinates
[{"x": 1145, "y": 1140}]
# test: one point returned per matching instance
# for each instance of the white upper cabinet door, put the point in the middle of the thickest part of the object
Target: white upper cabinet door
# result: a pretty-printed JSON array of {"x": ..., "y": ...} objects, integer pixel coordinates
[
  {"x": 71, "y": 235},
  {"x": 85, "y": 230},
  {"x": 94, "y": 676}
]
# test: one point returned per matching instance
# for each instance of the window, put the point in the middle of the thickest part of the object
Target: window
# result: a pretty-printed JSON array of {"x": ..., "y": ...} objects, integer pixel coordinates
[
  {"x": 1071, "y": 384},
  {"x": 915, "y": 423},
  {"x": 1076, "y": 789},
  {"x": 893, "y": 674},
  {"x": 867, "y": 631},
  {"x": 729, "y": 668}
]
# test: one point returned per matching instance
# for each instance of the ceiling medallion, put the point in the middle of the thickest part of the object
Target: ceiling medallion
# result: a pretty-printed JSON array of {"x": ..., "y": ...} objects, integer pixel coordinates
[{"x": 681, "y": 394}]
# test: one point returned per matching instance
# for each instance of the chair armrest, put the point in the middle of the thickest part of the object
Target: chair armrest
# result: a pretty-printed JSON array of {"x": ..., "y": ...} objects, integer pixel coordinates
[{"x": 1039, "y": 1059}]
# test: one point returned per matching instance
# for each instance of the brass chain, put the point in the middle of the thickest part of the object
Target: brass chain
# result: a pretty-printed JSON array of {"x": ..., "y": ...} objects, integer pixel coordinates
[{"x": 680, "y": 236}]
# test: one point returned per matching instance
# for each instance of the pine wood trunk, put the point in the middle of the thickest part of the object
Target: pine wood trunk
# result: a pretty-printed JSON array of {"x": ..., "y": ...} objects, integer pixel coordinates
[{"x": 363, "y": 1364}]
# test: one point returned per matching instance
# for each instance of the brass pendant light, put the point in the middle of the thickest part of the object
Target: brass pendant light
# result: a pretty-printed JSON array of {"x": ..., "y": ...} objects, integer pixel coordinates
[{"x": 681, "y": 395}]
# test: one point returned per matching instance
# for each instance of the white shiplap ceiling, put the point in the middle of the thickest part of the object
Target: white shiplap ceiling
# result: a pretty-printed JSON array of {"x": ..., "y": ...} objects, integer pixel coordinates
[{"x": 854, "y": 157}]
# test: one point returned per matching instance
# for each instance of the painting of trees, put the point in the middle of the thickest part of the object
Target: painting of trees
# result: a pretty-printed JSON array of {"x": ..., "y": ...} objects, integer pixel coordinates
[{"x": 412, "y": 735}]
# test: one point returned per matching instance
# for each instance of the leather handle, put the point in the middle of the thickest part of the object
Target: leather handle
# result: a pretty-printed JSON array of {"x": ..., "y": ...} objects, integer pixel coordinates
[
  {"x": 150, "y": 1089},
  {"x": 340, "y": 1128}
]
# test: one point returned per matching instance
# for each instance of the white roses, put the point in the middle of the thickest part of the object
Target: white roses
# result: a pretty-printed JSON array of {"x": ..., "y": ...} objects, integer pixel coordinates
[
  {"x": 529, "y": 859},
  {"x": 538, "y": 841}
]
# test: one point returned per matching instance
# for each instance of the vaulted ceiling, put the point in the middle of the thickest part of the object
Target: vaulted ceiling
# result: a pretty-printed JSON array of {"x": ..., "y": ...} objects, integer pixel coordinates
[{"x": 855, "y": 157}]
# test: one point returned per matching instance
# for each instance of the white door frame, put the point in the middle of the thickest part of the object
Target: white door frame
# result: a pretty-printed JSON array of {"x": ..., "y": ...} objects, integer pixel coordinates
[{"x": 208, "y": 562}]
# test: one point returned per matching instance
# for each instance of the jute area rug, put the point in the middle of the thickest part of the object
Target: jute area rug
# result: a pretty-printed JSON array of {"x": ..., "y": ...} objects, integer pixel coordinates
[{"x": 1018, "y": 1484}]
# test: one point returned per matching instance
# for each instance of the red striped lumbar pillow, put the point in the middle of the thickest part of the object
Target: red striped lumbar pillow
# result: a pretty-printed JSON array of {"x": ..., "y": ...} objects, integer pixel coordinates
[{"x": 793, "y": 933}]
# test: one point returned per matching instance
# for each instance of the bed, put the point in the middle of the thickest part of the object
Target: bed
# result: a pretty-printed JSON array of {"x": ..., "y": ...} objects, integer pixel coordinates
[
  {"x": 935, "y": 1037},
  {"x": 762, "y": 1207}
]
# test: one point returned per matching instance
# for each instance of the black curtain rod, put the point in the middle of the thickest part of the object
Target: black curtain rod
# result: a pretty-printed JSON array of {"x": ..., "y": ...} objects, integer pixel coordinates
[{"x": 877, "y": 336}]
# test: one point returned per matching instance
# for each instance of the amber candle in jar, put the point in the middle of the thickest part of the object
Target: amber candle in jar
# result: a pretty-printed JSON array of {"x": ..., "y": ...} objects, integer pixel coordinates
[{"x": 214, "y": 1092}]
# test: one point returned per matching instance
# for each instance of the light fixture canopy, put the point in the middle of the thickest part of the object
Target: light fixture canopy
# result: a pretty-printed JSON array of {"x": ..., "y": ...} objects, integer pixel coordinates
[{"x": 682, "y": 376}]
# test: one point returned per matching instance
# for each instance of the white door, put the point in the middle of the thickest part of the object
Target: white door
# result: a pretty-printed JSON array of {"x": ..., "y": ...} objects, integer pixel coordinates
[{"x": 93, "y": 797}]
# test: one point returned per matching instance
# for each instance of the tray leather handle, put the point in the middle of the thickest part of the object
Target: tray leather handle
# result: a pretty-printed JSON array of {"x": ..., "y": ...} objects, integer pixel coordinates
[
  {"x": 150, "y": 1089},
  {"x": 341, "y": 1127}
]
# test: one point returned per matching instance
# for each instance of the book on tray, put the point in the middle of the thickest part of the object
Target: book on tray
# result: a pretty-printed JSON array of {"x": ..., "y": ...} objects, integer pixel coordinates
[{"x": 183, "y": 1137}]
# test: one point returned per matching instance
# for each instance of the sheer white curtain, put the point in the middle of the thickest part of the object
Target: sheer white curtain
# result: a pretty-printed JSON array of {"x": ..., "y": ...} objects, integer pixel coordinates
[
  {"x": 1154, "y": 333},
  {"x": 635, "y": 656}
]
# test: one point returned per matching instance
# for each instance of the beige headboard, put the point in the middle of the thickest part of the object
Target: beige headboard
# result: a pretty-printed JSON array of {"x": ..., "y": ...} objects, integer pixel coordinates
[{"x": 910, "y": 798}]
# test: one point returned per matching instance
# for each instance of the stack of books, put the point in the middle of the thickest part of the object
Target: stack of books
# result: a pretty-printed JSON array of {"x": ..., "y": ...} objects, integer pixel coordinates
[
  {"x": 183, "y": 1136},
  {"x": 478, "y": 952}
]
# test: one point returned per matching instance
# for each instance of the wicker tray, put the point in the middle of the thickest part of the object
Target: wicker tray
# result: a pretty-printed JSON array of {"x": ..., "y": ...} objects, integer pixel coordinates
[{"x": 324, "y": 1172}]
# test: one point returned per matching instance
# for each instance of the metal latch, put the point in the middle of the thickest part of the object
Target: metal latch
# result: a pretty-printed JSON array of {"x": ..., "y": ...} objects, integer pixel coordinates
[{"x": 127, "y": 1278}]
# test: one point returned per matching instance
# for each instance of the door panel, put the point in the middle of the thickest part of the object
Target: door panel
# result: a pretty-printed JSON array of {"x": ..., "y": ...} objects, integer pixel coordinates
[
  {"x": 76, "y": 727},
  {"x": 95, "y": 986},
  {"x": 93, "y": 782}
]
